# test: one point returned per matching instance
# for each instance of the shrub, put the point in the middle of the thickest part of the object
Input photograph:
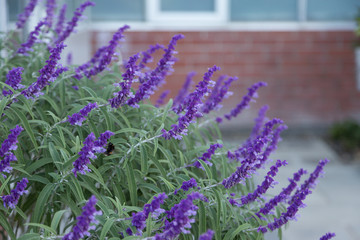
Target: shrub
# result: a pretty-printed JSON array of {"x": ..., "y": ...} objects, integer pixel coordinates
[{"x": 94, "y": 159}]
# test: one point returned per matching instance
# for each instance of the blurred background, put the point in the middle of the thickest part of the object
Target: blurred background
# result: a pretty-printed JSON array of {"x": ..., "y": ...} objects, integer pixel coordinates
[{"x": 306, "y": 50}]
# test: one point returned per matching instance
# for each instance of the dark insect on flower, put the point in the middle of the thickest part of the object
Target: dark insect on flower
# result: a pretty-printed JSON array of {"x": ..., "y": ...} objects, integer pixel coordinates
[{"x": 110, "y": 149}]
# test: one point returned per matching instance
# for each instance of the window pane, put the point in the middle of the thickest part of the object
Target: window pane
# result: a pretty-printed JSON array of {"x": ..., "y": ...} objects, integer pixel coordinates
[
  {"x": 112, "y": 10},
  {"x": 263, "y": 10},
  {"x": 15, "y": 7},
  {"x": 188, "y": 5},
  {"x": 325, "y": 10}
]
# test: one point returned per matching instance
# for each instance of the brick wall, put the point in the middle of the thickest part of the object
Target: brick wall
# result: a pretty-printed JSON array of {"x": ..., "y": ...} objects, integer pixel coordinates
[{"x": 310, "y": 75}]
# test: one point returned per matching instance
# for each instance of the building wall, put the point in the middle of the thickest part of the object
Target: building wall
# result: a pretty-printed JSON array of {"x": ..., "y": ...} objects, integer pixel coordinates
[{"x": 310, "y": 74}]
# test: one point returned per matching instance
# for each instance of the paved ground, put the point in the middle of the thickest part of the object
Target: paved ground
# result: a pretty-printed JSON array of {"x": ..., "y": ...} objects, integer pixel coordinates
[{"x": 335, "y": 203}]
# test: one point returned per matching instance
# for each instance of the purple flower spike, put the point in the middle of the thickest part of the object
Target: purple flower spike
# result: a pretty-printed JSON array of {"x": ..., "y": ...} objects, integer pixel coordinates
[
  {"x": 128, "y": 78},
  {"x": 12, "y": 199},
  {"x": 245, "y": 101},
  {"x": 217, "y": 95},
  {"x": 207, "y": 236},
  {"x": 191, "y": 105},
  {"x": 26, "y": 14},
  {"x": 84, "y": 221},
  {"x": 74, "y": 21},
  {"x": 102, "y": 141},
  {"x": 10, "y": 143},
  {"x": 147, "y": 55},
  {"x": 88, "y": 151},
  {"x": 207, "y": 155},
  {"x": 50, "y": 9},
  {"x": 181, "y": 217},
  {"x": 259, "y": 121},
  {"x": 139, "y": 218},
  {"x": 156, "y": 77},
  {"x": 283, "y": 195},
  {"x": 161, "y": 99},
  {"x": 184, "y": 90},
  {"x": 289, "y": 214},
  {"x": 265, "y": 185},
  {"x": 328, "y": 236},
  {"x": 33, "y": 37},
  {"x": 250, "y": 155},
  {"x": 187, "y": 185},
  {"x": 312, "y": 180},
  {"x": 78, "y": 118},
  {"x": 48, "y": 73},
  {"x": 61, "y": 19},
  {"x": 13, "y": 79}
]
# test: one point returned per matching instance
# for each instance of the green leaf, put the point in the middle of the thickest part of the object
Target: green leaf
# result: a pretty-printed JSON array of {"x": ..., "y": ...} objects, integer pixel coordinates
[
  {"x": 166, "y": 110},
  {"x": 3, "y": 185},
  {"x": 108, "y": 224},
  {"x": 232, "y": 234},
  {"x": 26, "y": 125},
  {"x": 41, "y": 203},
  {"x": 41, "y": 226},
  {"x": 202, "y": 218},
  {"x": 29, "y": 236},
  {"x": 4, "y": 222},
  {"x": 52, "y": 103},
  {"x": 3, "y": 103},
  {"x": 132, "y": 184},
  {"x": 207, "y": 169},
  {"x": 56, "y": 219}
]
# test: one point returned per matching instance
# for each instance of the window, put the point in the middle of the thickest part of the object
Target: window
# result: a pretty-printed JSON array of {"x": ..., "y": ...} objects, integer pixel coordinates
[
  {"x": 118, "y": 10},
  {"x": 263, "y": 10},
  {"x": 332, "y": 10},
  {"x": 187, "y": 5}
]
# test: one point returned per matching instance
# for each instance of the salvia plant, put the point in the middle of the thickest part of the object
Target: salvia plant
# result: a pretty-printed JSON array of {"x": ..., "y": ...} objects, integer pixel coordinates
[{"x": 85, "y": 155}]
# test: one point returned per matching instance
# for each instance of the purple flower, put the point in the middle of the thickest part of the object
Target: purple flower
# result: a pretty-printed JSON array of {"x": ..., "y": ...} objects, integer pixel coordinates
[
  {"x": 48, "y": 73},
  {"x": 272, "y": 145},
  {"x": 74, "y": 21},
  {"x": 217, "y": 95},
  {"x": 12, "y": 199},
  {"x": 50, "y": 9},
  {"x": 207, "y": 155},
  {"x": 184, "y": 90},
  {"x": 26, "y": 14},
  {"x": 180, "y": 215},
  {"x": 128, "y": 78},
  {"x": 129, "y": 231},
  {"x": 207, "y": 236},
  {"x": 156, "y": 77},
  {"x": 245, "y": 101},
  {"x": 139, "y": 218},
  {"x": 9, "y": 144},
  {"x": 61, "y": 19},
  {"x": 289, "y": 214},
  {"x": 187, "y": 185},
  {"x": 328, "y": 236},
  {"x": 265, "y": 185},
  {"x": 147, "y": 55},
  {"x": 88, "y": 151},
  {"x": 33, "y": 37},
  {"x": 250, "y": 155},
  {"x": 283, "y": 195},
  {"x": 84, "y": 221},
  {"x": 191, "y": 105},
  {"x": 312, "y": 180},
  {"x": 13, "y": 79},
  {"x": 78, "y": 118},
  {"x": 161, "y": 99},
  {"x": 259, "y": 121}
]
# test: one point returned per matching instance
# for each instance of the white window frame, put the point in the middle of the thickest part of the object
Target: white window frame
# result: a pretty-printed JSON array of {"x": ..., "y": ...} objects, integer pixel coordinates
[{"x": 154, "y": 14}]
